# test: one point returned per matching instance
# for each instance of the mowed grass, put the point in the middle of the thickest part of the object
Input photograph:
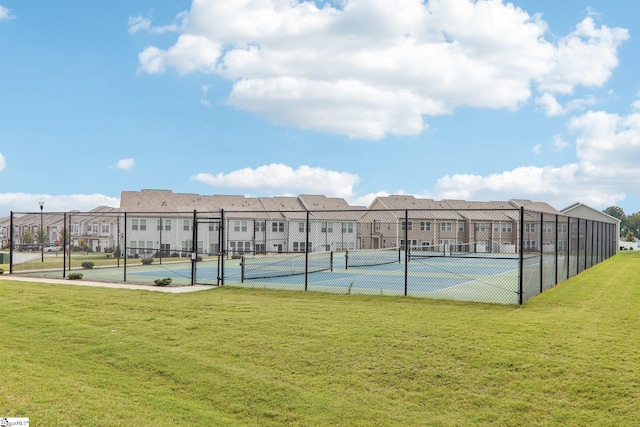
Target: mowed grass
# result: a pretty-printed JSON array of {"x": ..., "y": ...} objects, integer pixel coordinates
[{"x": 239, "y": 357}]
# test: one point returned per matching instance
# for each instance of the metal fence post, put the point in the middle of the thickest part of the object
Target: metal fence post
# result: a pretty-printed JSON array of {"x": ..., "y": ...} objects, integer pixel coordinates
[
  {"x": 221, "y": 250},
  {"x": 124, "y": 273},
  {"x": 541, "y": 252},
  {"x": 521, "y": 258},
  {"x": 64, "y": 246},
  {"x": 555, "y": 277},
  {"x": 194, "y": 247},
  {"x": 406, "y": 252},
  {"x": 306, "y": 254},
  {"x": 11, "y": 244}
]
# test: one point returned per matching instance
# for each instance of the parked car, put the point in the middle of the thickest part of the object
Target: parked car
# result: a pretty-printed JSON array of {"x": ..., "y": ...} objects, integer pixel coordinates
[{"x": 53, "y": 248}]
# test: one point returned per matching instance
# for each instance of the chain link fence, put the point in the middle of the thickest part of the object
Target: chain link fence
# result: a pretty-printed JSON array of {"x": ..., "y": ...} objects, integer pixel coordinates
[{"x": 486, "y": 255}]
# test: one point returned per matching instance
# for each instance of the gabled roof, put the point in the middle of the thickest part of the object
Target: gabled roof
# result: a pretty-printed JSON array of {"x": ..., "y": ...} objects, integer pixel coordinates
[
  {"x": 541, "y": 207},
  {"x": 484, "y": 211},
  {"x": 580, "y": 210}
]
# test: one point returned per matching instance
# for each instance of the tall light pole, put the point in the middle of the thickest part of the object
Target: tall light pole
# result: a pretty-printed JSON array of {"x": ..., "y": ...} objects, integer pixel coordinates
[{"x": 41, "y": 232}]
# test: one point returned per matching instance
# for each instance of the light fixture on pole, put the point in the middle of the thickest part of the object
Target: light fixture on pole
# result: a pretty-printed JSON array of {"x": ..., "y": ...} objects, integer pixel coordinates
[{"x": 41, "y": 233}]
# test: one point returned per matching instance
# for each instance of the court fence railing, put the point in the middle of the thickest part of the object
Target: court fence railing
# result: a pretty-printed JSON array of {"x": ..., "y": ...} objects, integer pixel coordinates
[{"x": 487, "y": 255}]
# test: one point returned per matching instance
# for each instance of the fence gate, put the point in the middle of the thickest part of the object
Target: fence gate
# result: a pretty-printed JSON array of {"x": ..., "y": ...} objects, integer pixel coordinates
[{"x": 207, "y": 241}]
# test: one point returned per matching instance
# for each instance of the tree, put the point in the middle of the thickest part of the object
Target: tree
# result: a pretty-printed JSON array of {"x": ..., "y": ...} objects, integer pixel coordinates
[
  {"x": 26, "y": 238},
  {"x": 615, "y": 212},
  {"x": 633, "y": 224},
  {"x": 629, "y": 237},
  {"x": 82, "y": 242},
  {"x": 63, "y": 236},
  {"x": 41, "y": 236},
  {"x": 618, "y": 213}
]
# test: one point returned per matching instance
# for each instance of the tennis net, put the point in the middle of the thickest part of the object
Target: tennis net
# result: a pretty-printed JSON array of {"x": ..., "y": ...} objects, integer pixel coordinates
[
  {"x": 471, "y": 249},
  {"x": 286, "y": 264},
  {"x": 371, "y": 257}
]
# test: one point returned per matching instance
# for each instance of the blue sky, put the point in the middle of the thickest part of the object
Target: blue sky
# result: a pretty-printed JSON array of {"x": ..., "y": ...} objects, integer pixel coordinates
[{"x": 445, "y": 99}]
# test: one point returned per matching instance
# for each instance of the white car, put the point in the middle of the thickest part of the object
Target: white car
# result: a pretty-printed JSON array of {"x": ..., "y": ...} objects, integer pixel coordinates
[{"x": 53, "y": 248}]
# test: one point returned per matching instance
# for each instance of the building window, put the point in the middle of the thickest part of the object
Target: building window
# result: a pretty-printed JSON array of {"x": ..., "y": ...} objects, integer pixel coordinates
[
  {"x": 529, "y": 228},
  {"x": 461, "y": 226},
  {"x": 507, "y": 227},
  {"x": 562, "y": 228},
  {"x": 425, "y": 225},
  {"x": 301, "y": 227},
  {"x": 143, "y": 224},
  {"x": 186, "y": 225},
  {"x": 236, "y": 226},
  {"x": 530, "y": 244},
  {"x": 240, "y": 247},
  {"x": 327, "y": 227},
  {"x": 481, "y": 226},
  {"x": 446, "y": 226},
  {"x": 277, "y": 226},
  {"x": 547, "y": 227},
  {"x": 347, "y": 227},
  {"x": 105, "y": 228},
  {"x": 159, "y": 225},
  {"x": 406, "y": 226},
  {"x": 167, "y": 225},
  {"x": 134, "y": 224},
  {"x": 259, "y": 226},
  {"x": 214, "y": 226}
]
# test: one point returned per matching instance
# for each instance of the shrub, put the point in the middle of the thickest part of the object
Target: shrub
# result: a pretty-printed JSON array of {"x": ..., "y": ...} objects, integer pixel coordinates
[
  {"x": 87, "y": 264},
  {"x": 163, "y": 282},
  {"x": 74, "y": 276},
  {"x": 147, "y": 261},
  {"x": 1, "y": 271}
]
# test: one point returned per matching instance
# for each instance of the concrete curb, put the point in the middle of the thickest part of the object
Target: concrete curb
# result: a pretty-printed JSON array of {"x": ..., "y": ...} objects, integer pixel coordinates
[{"x": 151, "y": 288}]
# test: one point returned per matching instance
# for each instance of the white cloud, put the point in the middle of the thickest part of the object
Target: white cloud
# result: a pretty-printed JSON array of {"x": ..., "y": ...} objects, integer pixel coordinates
[
  {"x": 537, "y": 149},
  {"x": 378, "y": 68},
  {"x": 608, "y": 152},
  {"x": 22, "y": 202},
  {"x": 191, "y": 53},
  {"x": 125, "y": 164},
  {"x": 3, "y": 162},
  {"x": 203, "y": 98},
  {"x": 586, "y": 57},
  {"x": 552, "y": 107},
  {"x": 278, "y": 179},
  {"x": 140, "y": 23},
  {"x": 5, "y": 13},
  {"x": 559, "y": 144}
]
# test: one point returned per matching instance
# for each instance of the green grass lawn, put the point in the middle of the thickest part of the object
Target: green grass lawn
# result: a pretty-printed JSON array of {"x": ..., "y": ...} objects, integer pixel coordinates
[{"x": 91, "y": 356}]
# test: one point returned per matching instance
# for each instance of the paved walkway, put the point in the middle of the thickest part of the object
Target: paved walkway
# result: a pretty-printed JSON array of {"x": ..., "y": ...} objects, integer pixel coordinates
[{"x": 167, "y": 289}]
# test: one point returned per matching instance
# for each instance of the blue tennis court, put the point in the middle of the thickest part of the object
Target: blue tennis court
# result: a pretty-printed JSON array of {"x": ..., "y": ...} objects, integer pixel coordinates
[{"x": 486, "y": 279}]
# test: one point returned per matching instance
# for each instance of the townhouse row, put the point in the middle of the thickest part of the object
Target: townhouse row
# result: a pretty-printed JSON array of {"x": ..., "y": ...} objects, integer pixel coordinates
[{"x": 160, "y": 222}]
